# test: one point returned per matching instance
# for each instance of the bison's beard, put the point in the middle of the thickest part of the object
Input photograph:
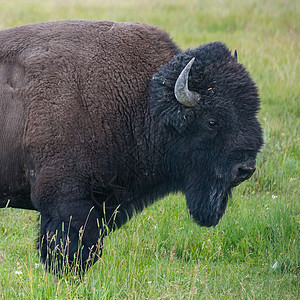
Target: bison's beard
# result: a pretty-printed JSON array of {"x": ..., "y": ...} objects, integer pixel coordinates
[{"x": 207, "y": 202}]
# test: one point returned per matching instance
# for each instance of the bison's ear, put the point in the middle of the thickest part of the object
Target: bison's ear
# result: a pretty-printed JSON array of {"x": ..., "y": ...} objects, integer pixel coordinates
[
  {"x": 179, "y": 123},
  {"x": 174, "y": 117}
]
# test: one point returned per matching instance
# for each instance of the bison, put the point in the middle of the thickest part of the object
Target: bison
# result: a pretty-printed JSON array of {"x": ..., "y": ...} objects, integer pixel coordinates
[{"x": 100, "y": 119}]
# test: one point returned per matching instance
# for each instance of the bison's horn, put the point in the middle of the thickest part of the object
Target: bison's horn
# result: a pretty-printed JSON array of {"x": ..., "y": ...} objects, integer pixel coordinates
[
  {"x": 235, "y": 55},
  {"x": 181, "y": 90}
]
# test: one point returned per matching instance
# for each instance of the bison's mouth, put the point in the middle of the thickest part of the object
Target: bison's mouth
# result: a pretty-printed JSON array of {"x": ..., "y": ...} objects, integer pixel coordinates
[{"x": 208, "y": 199}]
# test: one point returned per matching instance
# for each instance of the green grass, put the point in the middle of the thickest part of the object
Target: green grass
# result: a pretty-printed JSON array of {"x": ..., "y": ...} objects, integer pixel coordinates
[{"x": 161, "y": 254}]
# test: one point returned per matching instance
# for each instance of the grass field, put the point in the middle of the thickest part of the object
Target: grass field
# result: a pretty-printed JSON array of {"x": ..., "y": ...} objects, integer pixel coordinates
[{"x": 161, "y": 254}]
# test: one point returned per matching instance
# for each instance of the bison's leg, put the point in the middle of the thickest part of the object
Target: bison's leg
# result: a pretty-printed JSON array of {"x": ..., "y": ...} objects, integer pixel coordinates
[
  {"x": 71, "y": 227},
  {"x": 65, "y": 245}
]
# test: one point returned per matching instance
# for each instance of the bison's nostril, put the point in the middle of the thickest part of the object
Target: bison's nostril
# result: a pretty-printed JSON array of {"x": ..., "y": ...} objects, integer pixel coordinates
[{"x": 244, "y": 173}]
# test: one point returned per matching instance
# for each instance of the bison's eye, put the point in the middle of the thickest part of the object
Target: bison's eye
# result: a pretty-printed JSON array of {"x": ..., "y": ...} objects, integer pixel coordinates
[{"x": 212, "y": 124}]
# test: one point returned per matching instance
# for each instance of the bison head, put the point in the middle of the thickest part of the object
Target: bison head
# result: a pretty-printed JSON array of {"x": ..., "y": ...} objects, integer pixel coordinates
[{"x": 205, "y": 104}]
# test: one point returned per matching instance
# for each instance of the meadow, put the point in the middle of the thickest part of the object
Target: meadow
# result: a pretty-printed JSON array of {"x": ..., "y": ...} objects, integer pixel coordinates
[{"x": 253, "y": 253}]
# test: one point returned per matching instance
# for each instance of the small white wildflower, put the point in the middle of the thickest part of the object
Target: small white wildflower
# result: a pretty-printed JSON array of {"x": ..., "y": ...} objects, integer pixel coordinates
[
  {"x": 274, "y": 196},
  {"x": 18, "y": 272},
  {"x": 275, "y": 266},
  {"x": 149, "y": 282}
]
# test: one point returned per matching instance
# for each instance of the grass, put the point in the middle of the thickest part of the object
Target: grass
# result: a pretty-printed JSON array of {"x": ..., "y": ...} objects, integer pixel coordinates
[{"x": 161, "y": 254}]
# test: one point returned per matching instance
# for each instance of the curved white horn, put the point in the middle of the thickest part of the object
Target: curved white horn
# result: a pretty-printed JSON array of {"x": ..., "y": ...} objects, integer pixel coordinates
[{"x": 182, "y": 93}]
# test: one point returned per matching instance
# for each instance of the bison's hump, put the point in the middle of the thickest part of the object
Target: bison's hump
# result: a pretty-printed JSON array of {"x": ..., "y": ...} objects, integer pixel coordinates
[{"x": 83, "y": 35}]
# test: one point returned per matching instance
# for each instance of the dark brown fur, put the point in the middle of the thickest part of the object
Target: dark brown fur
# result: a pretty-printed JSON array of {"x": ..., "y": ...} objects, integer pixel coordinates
[{"x": 74, "y": 84}]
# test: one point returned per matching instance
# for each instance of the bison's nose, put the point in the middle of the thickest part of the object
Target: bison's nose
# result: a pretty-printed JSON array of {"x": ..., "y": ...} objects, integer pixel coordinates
[{"x": 242, "y": 172}]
